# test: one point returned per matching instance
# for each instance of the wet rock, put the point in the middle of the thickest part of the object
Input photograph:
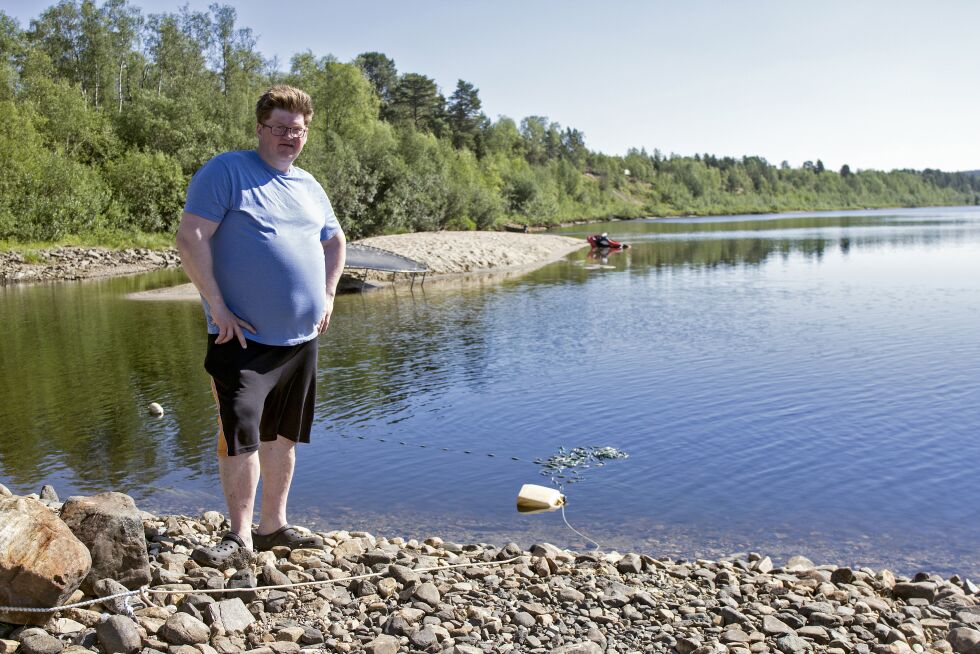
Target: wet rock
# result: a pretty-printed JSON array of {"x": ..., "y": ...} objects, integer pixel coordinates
[
  {"x": 118, "y": 634},
  {"x": 41, "y": 562},
  {"x": 49, "y": 494},
  {"x": 111, "y": 527}
]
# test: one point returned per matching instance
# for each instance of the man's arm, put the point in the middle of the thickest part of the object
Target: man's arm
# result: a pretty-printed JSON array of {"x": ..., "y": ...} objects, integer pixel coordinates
[
  {"x": 334, "y": 256},
  {"x": 194, "y": 244}
]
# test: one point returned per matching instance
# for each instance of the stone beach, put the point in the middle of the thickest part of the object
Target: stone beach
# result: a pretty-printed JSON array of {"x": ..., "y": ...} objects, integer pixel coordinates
[
  {"x": 437, "y": 596},
  {"x": 69, "y": 263}
]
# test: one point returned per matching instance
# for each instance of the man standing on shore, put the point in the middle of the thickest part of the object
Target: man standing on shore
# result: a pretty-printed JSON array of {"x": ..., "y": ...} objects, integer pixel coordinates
[{"x": 261, "y": 243}]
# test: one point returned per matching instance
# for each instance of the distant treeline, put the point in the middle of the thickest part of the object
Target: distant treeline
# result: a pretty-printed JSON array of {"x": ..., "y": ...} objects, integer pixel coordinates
[{"x": 107, "y": 113}]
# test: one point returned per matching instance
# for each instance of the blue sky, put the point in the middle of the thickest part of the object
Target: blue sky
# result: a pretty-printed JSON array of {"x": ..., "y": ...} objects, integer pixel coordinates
[{"x": 872, "y": 84}]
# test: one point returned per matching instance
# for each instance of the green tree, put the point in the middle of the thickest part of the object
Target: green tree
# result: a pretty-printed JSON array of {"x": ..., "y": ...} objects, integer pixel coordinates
[
  {"x": 466, "y": 121},
  {"x": 417, "y": 101},
  {"x": 381, "y": 72}
]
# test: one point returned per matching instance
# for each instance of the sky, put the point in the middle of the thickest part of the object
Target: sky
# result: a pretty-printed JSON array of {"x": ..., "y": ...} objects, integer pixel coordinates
[{"x": 868, "y": 83}]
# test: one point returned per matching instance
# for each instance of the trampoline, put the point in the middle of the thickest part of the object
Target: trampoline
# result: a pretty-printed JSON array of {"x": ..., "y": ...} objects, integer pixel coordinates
[{"x": 366, "y": 257}]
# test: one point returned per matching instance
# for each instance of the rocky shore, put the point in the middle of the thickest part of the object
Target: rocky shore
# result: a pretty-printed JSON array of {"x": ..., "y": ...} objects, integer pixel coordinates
[
  {"x": 374, "y": 594},
  {"x": 444, "y": 253},
  {"x": 68, "y": 263}
]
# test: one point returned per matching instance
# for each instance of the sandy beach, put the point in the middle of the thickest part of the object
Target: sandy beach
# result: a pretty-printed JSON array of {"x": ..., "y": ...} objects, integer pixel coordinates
[{"x": 447, "y": 255}]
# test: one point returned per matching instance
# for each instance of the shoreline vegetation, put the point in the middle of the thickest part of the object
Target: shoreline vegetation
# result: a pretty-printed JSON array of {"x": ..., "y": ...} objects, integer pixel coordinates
[
  {"x": 361, "y": 592},
  {"x": 110, "y": 111}
]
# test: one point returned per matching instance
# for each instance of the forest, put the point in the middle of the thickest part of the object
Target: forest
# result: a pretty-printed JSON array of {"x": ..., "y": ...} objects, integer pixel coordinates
[{"x": 108, "y": 112}]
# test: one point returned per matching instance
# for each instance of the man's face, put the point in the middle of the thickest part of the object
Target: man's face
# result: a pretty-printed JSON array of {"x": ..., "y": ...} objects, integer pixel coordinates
[{"x": 280, "y": 151}]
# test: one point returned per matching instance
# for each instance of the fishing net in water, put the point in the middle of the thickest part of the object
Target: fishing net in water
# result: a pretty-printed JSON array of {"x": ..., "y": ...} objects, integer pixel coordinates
[{"x": 569, "y": 466}]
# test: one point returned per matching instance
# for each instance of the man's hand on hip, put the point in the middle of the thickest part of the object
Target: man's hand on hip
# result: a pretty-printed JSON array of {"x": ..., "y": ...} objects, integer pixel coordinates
[
  {"x": 229, "y": 326},
  {"x": 325, "y": 321}
]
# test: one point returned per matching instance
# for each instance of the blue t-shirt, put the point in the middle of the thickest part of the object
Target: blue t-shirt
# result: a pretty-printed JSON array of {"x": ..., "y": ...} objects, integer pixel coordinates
[{"x": 268, "y": 260}]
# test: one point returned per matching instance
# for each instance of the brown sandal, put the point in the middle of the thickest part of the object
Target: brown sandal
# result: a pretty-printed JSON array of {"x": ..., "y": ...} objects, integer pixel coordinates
[{"x": 286, "y": 536}]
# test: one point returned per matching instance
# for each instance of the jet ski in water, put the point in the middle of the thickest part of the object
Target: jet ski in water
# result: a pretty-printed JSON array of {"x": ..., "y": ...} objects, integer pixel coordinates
[{"x": 604, "y": 242}]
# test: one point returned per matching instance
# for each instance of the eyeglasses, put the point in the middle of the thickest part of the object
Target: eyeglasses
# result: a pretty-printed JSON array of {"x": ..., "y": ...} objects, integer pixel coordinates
[{"x": 293, "y": 132}]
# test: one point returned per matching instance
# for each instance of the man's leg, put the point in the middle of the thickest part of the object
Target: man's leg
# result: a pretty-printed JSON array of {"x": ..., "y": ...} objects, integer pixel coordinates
[
  {"x": 239, "y": 480},
  {"x": 277, "y": 460}
]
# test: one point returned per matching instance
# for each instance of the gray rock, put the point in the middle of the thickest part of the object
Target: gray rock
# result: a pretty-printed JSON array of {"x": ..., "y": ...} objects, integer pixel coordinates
[
  {"x": 734, "y": 636},
  {"x": 630, "y": 564},
  {"x": 403, "y": 575},
  {"x": 842, "y": 576},
  {"x": 243, "y": 579},
  {"x": 792, "y": 644},
  {"x": 915, "y": 589},
  {"x": 585, "y": 647},
  {"x": 272, "y": 576},
  {"x": 111, "y": 527},
  {"x": 276, "y": 601},
  {"x": 799, "y": 564},
  {"x": 118, "y": 634},
  {"x": 290, "y": 634},
  {"x": 774, "y": 626},
  {"x": 183, "y": 629},
  {"x": 763, "y": 565},
  {"x": 233, "y": 614},
  {"x": 41, "y": 562},
  {"x": 311, "y": 636},
  {"x": 428, "y": 593},
  {"x": 523, "y": 619},
  {"x": 383, "y": 644},
  {"x": 107, "y": 588},
  {"x": 49, "y": 494},
  {"x": 686, "y": 645},
  {"x": 964, "y": 640},
  {"x": 376, "y": 556},
  {"x": 815, "y": 633},
  {"x": 424, "y": 638},
  {"x": 731, "y": 616},
  {"x": 39, "y": 642}
]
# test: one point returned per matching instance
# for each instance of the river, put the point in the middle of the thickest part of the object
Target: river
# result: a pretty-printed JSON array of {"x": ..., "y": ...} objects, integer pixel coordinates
[{"x": 787, "y": 384}]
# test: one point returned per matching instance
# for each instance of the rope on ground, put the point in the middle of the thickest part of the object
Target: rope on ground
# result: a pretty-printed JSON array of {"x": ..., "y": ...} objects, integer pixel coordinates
[{"x": 157, "y": 591}]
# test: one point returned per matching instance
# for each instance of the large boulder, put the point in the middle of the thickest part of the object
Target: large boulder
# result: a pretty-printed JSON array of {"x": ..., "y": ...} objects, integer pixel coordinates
[
  {"x": 41, "y": 561},
  {"x": 110, "y": 525}
]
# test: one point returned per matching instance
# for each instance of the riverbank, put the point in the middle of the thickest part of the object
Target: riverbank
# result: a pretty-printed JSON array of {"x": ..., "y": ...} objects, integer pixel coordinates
[
  {"x": 439, "y": 596},
  {"x": 444, "y": 253}
]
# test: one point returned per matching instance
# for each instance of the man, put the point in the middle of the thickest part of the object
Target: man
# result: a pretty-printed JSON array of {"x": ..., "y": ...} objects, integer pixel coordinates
[{"x": 261, "y": 243}]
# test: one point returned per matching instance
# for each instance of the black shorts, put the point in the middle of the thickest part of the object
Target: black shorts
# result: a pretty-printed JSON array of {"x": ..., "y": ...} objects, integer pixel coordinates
[{"x": 262, "y": 391}]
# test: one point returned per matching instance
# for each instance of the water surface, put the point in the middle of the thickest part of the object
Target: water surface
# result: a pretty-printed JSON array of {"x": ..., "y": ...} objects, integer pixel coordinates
[{"x": 790, "y": 384}]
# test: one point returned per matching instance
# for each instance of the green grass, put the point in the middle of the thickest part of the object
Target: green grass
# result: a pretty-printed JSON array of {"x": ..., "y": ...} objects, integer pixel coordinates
[{"x": 111, "y": 239}]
